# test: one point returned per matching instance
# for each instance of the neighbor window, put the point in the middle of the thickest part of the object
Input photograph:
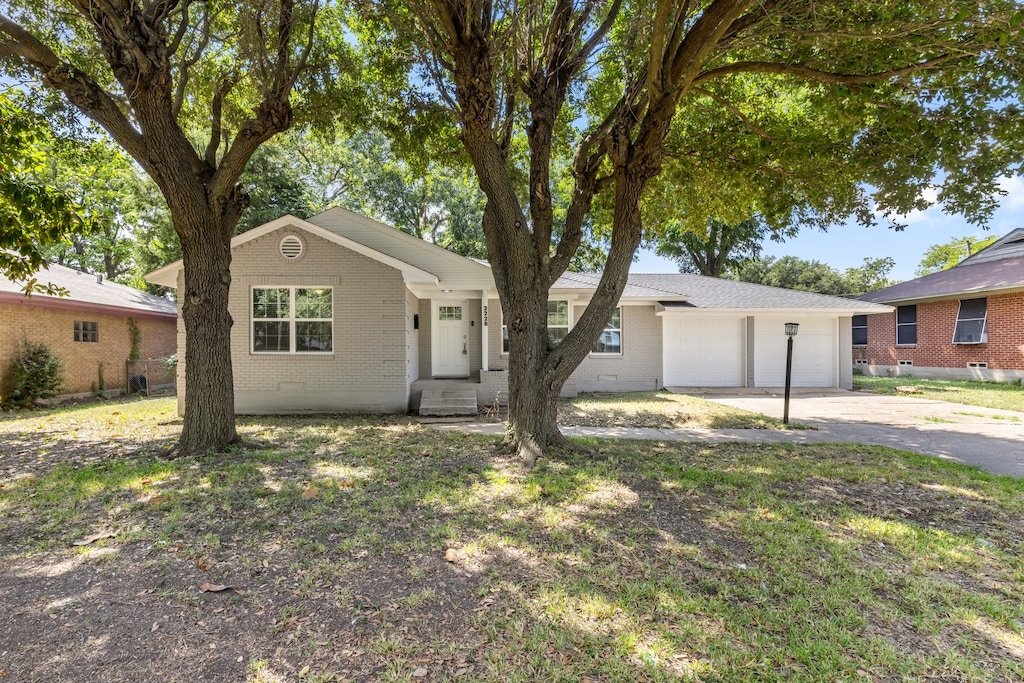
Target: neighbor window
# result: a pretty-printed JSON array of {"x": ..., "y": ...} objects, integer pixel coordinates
[
  {"x": 610, "y": 341},
  {"x": 292, "y": 320},
  {"x": 860, "y": 330},
  {"x": 906, "y": 325},
  {"x": 970, "y": 322},
  {"x": 558, "y": 324},
  {"x": 86, "y": 331}
]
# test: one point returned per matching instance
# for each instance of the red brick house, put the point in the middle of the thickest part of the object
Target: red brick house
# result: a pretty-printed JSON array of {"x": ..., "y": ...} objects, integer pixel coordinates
[
  {"x": 966, "y": 322},
  {"x": 92, "y": 329}
]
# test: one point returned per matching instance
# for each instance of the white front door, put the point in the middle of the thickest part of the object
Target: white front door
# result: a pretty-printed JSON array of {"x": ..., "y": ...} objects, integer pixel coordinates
[{"x": 451, "y": 339}]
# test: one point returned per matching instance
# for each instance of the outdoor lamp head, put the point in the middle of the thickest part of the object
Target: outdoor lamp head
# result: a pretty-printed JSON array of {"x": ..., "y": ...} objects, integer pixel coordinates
[{"x": 791, "y": 329}]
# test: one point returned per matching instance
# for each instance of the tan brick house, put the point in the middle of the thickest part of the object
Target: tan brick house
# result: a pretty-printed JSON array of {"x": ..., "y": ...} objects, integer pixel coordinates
[
  {"x": 92, "y": 328},
  {"x": 342, "y": 313},
  {"x": 966, "y": 322}
]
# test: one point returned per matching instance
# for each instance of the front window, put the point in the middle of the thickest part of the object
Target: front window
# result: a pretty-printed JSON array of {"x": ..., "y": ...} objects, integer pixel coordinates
[
  {"x": 860, "y": 330},
  {"x": 558, "y": 324},
  {"x": 292, "y": 320},
  {"x": 558, "y": 321},
  {"x": 610, "y": 341},
  {"x": 906, "y": 325},
  {"x": 970, "y": 322}
]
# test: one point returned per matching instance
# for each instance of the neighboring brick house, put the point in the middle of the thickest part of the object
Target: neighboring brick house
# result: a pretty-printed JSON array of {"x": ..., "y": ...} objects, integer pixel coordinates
[
  {"x": 966, "y": 322},
  {"x": 89, "y": 329},
  {"x": 342, "y": 313}
]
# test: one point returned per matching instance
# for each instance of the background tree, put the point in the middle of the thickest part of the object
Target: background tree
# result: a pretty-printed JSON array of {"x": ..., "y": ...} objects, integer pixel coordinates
[
  {"x": 943, "y": 256},
  {"x": 791, "y": 272},
  {"x": 909, "y": 86},
  {"x": 710, "y": 251},
  {"x": 34, "y": 213},
  {"x": 190, "y": 90}
]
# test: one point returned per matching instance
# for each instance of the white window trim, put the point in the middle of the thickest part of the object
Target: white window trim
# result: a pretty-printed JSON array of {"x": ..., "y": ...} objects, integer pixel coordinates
[
  {"x": 606, "y": 354},
  {"x": 291, "y": 319},
  {"x": 898, "y": 324},
  {"x": 984, "y": 322}
]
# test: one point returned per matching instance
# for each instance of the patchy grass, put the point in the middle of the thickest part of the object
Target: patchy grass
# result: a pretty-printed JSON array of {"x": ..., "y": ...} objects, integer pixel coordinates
[
  {"x": 661, "y": 410},
  {"x": 1000, "y": 395},
  {"x": 655, "y": 562}
]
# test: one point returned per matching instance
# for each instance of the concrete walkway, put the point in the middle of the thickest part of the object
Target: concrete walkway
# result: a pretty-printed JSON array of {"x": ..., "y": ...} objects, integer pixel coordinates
[{"x": 991, "y": 439}]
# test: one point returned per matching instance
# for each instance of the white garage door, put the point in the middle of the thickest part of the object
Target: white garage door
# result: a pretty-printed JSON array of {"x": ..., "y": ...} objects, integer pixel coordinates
[
  {"x": 814, "y": 352},
  {"x": 703, "y": 352}
]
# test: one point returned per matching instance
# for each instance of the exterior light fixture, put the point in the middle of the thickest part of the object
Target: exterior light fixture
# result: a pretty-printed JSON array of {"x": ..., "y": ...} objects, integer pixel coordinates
[{"x": 791, "y": 329}]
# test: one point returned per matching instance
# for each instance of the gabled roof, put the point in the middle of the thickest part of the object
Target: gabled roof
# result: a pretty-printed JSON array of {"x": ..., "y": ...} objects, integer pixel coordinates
[
  {"x": 997, "y": 268},
  {"x": 683, "y": 290},
  {"x": 418, "y": 260},
  {"x": 88, "y": 292}
]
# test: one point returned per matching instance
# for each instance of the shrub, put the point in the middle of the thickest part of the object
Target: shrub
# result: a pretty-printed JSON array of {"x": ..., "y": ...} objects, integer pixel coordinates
[{"x": 35, "y": 373}]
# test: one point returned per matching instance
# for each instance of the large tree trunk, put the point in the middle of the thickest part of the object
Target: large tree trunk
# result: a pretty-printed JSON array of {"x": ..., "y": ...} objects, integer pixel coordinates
[{"x": 209, "y": 424}]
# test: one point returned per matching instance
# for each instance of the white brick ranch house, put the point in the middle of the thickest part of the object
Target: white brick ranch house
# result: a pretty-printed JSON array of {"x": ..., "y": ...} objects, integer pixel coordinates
[{"x": 340, "y": 313}]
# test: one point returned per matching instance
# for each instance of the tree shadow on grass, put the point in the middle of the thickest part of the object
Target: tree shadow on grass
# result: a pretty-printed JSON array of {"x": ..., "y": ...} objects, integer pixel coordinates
[{"x": 657, "y": 562}]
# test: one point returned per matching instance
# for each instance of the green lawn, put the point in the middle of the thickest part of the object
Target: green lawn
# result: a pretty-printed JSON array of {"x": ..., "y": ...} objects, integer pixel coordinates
[
  {"x": 654, "y": 561},
  {"x": 985, "y": 394},
  {"x": 659, "y": 409}
]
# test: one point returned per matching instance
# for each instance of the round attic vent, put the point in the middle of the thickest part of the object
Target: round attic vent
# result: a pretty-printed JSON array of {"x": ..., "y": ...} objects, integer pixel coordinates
[{"x": 291, "y": 247}]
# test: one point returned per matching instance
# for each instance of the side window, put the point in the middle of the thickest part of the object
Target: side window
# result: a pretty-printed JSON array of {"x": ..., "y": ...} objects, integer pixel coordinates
[
  {"x": 906, "y": 325},
  {"x": 87, "y": 331},
  {"x": 860, "y": 330},
  {"x": 970, "y": 322}
]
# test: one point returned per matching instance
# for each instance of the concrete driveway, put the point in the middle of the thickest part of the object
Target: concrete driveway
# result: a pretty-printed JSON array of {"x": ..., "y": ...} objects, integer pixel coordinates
[{"x": 991, "y": 439}]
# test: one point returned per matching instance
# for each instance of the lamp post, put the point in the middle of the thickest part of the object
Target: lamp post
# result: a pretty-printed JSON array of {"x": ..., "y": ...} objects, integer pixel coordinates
[{"x": 791, "y": 329}]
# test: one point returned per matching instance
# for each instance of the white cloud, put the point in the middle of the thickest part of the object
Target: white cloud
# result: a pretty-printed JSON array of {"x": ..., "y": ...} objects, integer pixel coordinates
[{"x": 1014, "y": 188}]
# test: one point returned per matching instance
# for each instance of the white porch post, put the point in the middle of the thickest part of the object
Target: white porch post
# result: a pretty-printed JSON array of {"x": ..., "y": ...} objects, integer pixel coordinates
[{"x": 484, "y": 293}]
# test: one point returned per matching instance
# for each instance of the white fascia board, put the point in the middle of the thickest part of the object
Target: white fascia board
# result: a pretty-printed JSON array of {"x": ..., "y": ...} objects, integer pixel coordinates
[
  {"x": 821, "y": 312},
  {"x": 168, "y": 275}
]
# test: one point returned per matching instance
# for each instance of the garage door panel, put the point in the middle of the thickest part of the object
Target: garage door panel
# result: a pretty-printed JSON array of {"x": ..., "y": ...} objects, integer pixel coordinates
[
  {"x": 703, "y": 352},
  {"x": 813, "y": 353}
]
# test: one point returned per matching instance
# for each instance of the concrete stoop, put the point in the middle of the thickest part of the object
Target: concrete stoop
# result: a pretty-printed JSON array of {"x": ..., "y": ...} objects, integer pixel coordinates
[{"x": 445, "y": 402}]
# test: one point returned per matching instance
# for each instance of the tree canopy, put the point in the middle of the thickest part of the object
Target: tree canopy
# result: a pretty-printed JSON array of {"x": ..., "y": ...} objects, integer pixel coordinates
[
  {"x": 943, "y": 256},
  {"x": 791, "y": 272},
  {"x": 718, "y": 247},
  {"x": 34, "y": 212}
]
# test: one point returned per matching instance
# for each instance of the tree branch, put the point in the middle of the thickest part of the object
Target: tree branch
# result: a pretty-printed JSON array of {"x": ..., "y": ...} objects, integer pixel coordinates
[{"x": 78, "y": 87}]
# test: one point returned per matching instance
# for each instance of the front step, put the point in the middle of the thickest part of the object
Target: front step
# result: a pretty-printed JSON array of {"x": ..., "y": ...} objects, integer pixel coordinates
[{"x": 445, "y": 402}]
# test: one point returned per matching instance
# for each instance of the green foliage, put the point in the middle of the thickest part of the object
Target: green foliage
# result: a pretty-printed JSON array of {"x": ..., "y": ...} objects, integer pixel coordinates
[
  {"x": 135, "y": 337},
  {"x": 791, "y": 272},
  {"x": 35, "y": 373},
  {"x": 304, "y": 172},
  {"x": 33, "y": 212},
  {"x": 717, "y": 247},
  {"x": 943, "y": 256}
]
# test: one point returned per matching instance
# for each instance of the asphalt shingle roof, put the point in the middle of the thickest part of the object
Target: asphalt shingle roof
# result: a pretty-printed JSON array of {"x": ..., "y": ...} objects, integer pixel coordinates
[
  {"x": 708, "y": 292},
  {"x": 82, "y": 287},
  {"x": 966, "y": 278}
]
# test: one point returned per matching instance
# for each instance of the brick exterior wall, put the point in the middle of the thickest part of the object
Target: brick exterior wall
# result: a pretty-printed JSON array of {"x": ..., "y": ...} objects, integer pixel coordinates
[
  {"x": 82, "y": 360},
  {"x": 368, "y": 370},
  {"x": 935, "y": 348}
]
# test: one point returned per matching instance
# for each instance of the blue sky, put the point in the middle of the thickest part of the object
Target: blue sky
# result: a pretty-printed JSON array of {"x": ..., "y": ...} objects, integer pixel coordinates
[{"x": 845, "y": 246}]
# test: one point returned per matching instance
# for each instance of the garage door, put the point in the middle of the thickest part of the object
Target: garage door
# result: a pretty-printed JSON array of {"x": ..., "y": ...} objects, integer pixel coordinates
[
  {"x": 814, "y": 352},
  {"x": 703, "y": 352}
]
